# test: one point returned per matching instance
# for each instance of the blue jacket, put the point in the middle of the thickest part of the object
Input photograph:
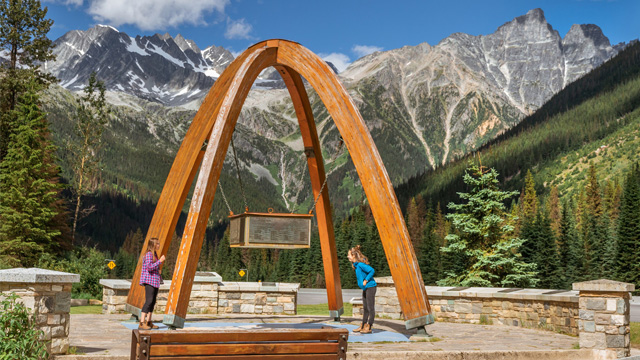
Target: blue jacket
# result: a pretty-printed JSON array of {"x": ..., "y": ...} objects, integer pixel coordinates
[{"x": 364, "y": 272}]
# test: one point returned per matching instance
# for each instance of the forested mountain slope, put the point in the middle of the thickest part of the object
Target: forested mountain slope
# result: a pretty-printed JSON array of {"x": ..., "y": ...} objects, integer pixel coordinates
[{"x": 566, "y": 131}]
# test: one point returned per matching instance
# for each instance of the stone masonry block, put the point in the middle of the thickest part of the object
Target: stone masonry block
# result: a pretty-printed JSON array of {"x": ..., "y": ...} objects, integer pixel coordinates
[
  {"x": 59, "y": 346},
  {"x": 602, "y": 319},
  {"x": 462, "y": 307},
  {"x": 247, "y": 308},
  {"x": 57, "y": 331},
  {"x": 619, "y": 320},
  {"x": 611, "y": 305},
  {"x": 589, "y": 326},
  {"x": 615, "y": 341},
  {"x": 586, "y": 314},
  {"x": 596, "y": 304},
  {"x": 248, "y": 296},
  {"x": 593, "y": 341}
]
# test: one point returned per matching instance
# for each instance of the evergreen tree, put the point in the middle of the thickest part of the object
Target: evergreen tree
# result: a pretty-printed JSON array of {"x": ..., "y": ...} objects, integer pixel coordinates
[
  {"x": 91, "y": 118},
  {"x": 628, "y": 264},
  {"x": 29, "y": 188},
  {"x": 528, "y": 211},
  {"x": 546, "y": 254},
  {"x": 429, "y": 252},
  {"x": 23, "y": 37},
  {"x": 485, "y": 236},
  {"x": 529, "y": 202},
  {"x": 554, "y": 211},
  {"x": 570, "y": 250},
  {"x": 594, "y": 229},
  {"x": 415, "y": 220}
]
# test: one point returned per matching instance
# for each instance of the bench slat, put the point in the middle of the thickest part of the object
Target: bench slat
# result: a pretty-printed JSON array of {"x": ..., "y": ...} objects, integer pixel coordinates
[
  {"x": 244, "y": 349},
  {"x": 255, "y": 357},
  {"x": 159, "y": 337}
]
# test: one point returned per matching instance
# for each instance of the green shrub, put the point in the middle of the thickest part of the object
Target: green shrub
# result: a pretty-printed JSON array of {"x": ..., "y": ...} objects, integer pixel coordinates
[
  {"x": 19, "y": 335},
  {"x": 89, "y": 263}
]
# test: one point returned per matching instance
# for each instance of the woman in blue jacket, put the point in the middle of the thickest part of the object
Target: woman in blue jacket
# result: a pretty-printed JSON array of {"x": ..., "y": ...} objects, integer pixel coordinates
[{"x": 364, "y": 275}]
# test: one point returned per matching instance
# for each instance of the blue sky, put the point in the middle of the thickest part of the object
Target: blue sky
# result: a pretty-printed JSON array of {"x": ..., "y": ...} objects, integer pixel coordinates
[{"x": 340, "y": 31}]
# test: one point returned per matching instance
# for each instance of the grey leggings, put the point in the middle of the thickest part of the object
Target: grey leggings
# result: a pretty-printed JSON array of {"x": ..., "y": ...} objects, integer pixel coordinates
[{"x": 369, "y": 305}]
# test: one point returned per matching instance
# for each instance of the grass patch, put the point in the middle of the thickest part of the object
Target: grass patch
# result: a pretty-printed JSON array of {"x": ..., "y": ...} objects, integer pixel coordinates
[
  {"x": 429, "y": 339},
  {"x": 89, "y": 309},
  {"x": 74, "y": 351},
  {"x": 322, "y": 309},
  {"x": 635, "y": 334}
]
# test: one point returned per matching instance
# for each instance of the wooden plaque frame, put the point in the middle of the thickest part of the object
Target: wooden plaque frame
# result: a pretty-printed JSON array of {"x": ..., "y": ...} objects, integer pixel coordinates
[
  {"x": 215, "y": 121},
  {"x": 243, "y": 228}
]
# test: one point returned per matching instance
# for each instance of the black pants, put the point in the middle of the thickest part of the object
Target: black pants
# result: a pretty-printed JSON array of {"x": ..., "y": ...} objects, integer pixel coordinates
[
  {"x": 150, "y": 295},
  {"x": 369, "y": 305}
]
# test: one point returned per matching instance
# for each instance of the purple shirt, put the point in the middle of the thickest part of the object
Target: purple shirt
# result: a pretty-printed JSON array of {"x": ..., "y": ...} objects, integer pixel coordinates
[{"x": 150, "y": 271}]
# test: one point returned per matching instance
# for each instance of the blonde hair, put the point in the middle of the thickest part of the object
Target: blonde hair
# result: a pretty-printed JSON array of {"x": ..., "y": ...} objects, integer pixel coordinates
[
  {"x": 151, "y": 246},
  {"x": 358, "y": 255}
]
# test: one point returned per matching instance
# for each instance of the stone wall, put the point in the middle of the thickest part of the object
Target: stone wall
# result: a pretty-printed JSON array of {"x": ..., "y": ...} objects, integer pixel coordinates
[
  {"x": 257, "y": 298},
  {"x": 203, "y": 300},
  {"x": 209, "y": 295},
  {"x": 48, "y": 294},
  {"x": 555, "y": 310},
  {"x": 605, "y": 315}
]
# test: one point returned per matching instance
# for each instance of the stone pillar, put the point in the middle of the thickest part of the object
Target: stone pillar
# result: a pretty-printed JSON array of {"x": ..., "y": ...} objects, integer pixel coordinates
[
  {"x": 604, "y": 315},
  {"x": 48, "y": 294}
]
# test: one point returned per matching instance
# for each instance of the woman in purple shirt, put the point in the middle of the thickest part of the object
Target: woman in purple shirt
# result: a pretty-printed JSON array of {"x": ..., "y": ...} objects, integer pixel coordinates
[
  {"x": 151, "y": 279},
  {"x": 364, "y": 276}
]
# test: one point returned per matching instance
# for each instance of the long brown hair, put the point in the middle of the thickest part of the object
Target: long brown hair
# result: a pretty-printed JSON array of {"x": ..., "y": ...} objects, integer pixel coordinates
[
  {"x": 151, "y": 246},
  {"x": 358, "y": 255}
]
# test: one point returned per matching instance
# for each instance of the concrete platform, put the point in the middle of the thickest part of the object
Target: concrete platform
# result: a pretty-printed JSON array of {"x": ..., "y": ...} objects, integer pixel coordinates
[{"x": 107, "y": 337}]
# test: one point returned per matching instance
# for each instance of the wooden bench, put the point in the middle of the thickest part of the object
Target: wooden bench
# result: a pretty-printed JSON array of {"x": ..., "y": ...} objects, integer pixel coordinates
[{"x": 325, "y": 343}]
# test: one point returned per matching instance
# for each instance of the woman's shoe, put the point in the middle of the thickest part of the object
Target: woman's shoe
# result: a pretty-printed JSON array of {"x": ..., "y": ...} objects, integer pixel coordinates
[
  {"x": 359, "y": 329},
  {"x": 142, "y": 326},
  {"x": 152, "y": 325},
  {"x": 366, "y": 329}
]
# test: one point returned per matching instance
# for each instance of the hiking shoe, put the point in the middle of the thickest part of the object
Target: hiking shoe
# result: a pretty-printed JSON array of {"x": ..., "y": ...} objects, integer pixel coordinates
[{"x": 142, "y": 326}]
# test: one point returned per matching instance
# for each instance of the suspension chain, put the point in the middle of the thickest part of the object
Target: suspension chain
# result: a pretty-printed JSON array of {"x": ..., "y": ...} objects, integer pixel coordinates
[
  {"x": 235, "y": 157},
  {"x": 326, "y": 177},
  {"x": 224, "y": 198}
]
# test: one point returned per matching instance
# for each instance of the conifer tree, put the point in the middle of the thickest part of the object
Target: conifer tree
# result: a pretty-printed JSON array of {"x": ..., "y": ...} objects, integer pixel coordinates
[
  {"x": 29, "y": 188},
  {"x": 23, "y": 37},
  {"x": 554, "y": 211},
  {"x": 570, "y": 249},
  {"x": 91, "y": 118},
  {"x": 484, "y": 237},
  {"x": 594, "y": 229},
  {"x": 628, "y": 259},
  {"x": 528, "y": 212},
  {"x": 546, "y": 254},
  {"x": 529, "y": 198}
]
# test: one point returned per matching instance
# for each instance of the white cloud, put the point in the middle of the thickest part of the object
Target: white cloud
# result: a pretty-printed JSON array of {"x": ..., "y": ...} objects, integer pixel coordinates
[
  {"x": 339, "y": 60},
  {"x": 363, "y": 50},
  {"x": 238, "y": 29},
  {"x": 66, "y": 2},
  {"x": 153, "y": 14}
]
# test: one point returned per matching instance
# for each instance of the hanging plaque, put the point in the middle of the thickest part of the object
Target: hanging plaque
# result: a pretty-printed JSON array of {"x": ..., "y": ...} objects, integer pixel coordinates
[{"x": 270, "y": 230}]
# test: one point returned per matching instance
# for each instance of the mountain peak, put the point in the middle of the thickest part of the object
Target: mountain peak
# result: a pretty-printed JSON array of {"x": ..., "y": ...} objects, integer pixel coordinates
[
  {"x": 186, "y": 44},
  {"x": 536, "y": 14},
  {"x": 587, "y": 31}
]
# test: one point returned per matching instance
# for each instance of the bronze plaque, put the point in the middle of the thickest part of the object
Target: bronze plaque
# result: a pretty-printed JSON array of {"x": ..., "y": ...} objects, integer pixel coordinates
[{"x": 280, "y": 231}]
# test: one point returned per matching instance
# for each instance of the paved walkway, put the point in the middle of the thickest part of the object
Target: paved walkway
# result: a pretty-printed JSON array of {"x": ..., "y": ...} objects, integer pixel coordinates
[{"x": 111, "y": 334}]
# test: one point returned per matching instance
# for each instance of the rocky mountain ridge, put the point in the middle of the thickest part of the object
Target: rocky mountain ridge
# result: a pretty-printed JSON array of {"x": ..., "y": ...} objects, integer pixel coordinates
[{"x": 424, "y": 105}]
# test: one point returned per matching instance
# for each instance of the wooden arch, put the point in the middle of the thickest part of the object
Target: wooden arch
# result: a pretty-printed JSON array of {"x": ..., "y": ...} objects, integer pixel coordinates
[{"x": 215, "y": 121}]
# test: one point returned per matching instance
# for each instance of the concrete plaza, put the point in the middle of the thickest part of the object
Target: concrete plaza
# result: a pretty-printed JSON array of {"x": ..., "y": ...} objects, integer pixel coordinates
[{"x": 108, "y": 337}]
